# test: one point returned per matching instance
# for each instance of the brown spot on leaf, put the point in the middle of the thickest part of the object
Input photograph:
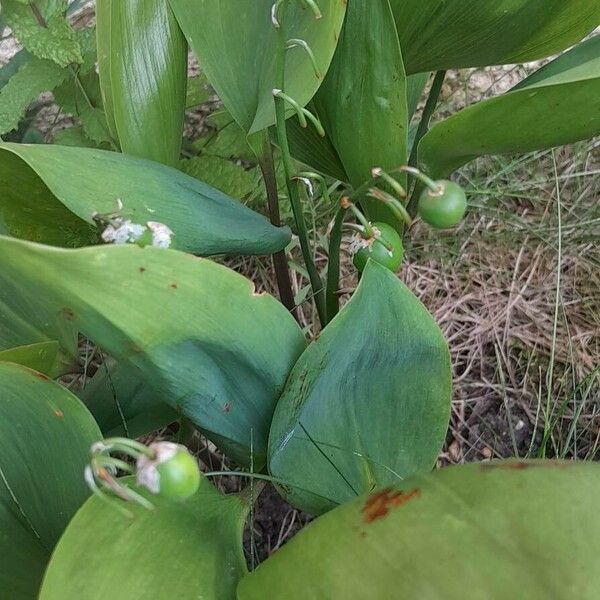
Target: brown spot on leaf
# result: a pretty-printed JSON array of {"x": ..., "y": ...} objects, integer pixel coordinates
[
  {"x": 67, "y": 313},
  {"x": 142, "y": 269},
  {"x": 59, "y": 413},
  {"x": 379, "y": 505},
  {"x": 40, "y": 375},
  {"x": 506, "y": 466},
  {"x": 136, "y": 349},
  {"x": 173, "y": 286},
  {"x": 227, "y": 407}
]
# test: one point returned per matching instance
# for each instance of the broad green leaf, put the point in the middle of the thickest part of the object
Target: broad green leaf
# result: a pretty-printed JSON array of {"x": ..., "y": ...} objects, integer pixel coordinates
[
  {"x": 187, "y": 551},
  {"x": 41, "y": 27},
  {"x": 362, "y": 101},
  {"x": 198, "y": 91},
  {"x": 143, "y": 68},
  {"x": 26, "y": 321},
  {"x": 73, "y": 136},
  {"x": 559, "y": 104},
  {"x": 367, "y": 403},
  {"x": 123, "y": 403},
  {"x": 215, "y": 350},
  {"x": 43, "y": 200},
  {"x": 41, "y": 357},
  {"x": 415, "y": 85},
  {"x": 307, "y": 146},
  {"x": 236, "y": 43},
  {"x": 45, "y": 436},
  {"x": 228, "y": 141},
  {"x": 448, "y": 34},
  {"x": 34, "y": 77},
  {"x": 493, "y": 530},
  {"x": 229, "y": 177}
]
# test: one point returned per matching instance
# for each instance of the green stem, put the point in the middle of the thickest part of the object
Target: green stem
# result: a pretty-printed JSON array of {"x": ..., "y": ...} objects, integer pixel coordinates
[
  {"x": 292, "y": 184},
  {"x": 186, "y": 432},
  {"x": 332, "y": 299},
  {"x": 280, "y": 263},
  {"x": 430, "y": 106}
]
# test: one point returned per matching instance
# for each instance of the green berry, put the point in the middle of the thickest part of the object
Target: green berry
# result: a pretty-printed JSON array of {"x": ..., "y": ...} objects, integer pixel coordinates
[
  {"x": 389, "y": 253},
  {"x": 443, "y": 209},
  {"x": 172, "y": 472}
]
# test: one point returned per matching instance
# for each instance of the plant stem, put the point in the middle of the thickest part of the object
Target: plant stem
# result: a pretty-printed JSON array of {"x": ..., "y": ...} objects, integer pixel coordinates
[
  {"x": 332, "y": 299},
  {"x": 430, "y": 106},
  {"x": 293, "y": 185},
  {"x": 280, "y": 263}
]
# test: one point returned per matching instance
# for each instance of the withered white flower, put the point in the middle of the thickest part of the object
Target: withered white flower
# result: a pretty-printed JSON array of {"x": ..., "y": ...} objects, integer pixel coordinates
[
  {"x": 147, "y": 474},
  {"x": 161, "y": 234},
  {"x": 123, "y": 233}
]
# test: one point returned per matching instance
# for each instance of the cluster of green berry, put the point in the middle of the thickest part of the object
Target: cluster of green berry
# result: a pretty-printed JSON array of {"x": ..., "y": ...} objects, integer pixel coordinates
[{"x": 441, "y": 205}]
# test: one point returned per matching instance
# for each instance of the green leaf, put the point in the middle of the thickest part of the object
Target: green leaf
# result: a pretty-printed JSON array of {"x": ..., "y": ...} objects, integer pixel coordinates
[
  {"x": 41, "y": 357},
  {"x": 532, "y": 527},
  {"x": 43, "y": 200},
  {"x": 448, "y": 34},
  {"x": 73, "y": 136},
  {"x": 123, "y": 403},
  {"x": 307, "y": 146},
  {"x": 41, "y": 27},
  {"x": 415, "y": 86},
  {"x": 229, "y": 140},
  {"x": 367, "y": 403},
  {"x": 34, "y": 77},
  {"x": 143, "y": 72},
  {"x": 362, "y": 101},
  {"x": 185, "y": 550},
  {"x": 27, "y": 321},
  {"x": 198, "y": 91},
  {"x": 560, "y": 104},
  {"x": 13, "y": 65},
  {"x": 231, "y": 178},
  {"x": 80, "y": 95},
  {"x": 45, "y": 436},
  {"x": 215, "y": 350},
  {"x": 236, "y": 42}
]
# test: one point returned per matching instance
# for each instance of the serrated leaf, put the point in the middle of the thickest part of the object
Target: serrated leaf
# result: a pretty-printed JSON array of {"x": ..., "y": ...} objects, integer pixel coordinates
[
  {"x": 43, "y": 30},
  {"x": 198, "y": 91},
  {"x": 80, "y": 96},
  {"x": 73, "y": 136},
  {"x": 32, "y": 79},
  {"x": 12, "y": 66},
  {"x": 222, "y": 174},
  {"x": 229, "y": 141}
]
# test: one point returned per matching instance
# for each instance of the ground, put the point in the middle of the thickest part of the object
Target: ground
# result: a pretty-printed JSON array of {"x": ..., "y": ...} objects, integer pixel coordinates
[{"x": 516, "y": 290}]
